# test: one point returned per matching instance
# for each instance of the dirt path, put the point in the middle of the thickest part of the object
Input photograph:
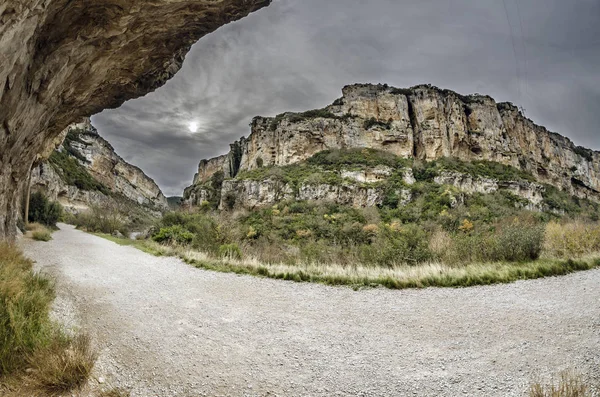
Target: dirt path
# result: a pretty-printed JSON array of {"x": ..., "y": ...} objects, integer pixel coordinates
[{"x": 167, "y": 329}]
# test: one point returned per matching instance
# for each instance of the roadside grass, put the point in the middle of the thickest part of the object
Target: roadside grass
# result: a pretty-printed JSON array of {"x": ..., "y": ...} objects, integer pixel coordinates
[
  {"x": 39, "y": 232},
  {"x": 570, "y": 384},
  {"x": 42, "y": 235},
  {"x": 396, "y": 277},
  {"x": 36, "y": 358},
  {"x": 65, "y": 364}
]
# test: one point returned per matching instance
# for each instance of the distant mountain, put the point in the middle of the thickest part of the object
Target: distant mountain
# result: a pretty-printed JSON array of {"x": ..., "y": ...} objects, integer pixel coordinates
[{"x": 174, "y": 202}]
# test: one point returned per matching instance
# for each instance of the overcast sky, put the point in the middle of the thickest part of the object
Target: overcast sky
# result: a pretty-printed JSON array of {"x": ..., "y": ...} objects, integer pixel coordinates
[{"x": 295, "y": 55}]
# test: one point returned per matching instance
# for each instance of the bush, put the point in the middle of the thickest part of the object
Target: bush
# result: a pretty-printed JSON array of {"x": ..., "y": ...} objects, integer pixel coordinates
[
  {"x": 398, "y": 245},
  {"x": 230, "y": 251},
  {"x": 42, "y": 235},
  {"x": 44, "y": 211},
  {"x": 106, "y": 219},
  {"x": 511, "y": 242},
  {"x": 174, "y": 234},
  {"x": 519, "y": 243},
  {"x": 572, "y": 240}
]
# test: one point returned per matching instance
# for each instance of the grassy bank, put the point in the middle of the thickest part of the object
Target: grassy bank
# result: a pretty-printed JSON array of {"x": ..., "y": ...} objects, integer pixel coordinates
[
  {"x": 396, "y": 277},
  {"x": 36, "y": 358}
]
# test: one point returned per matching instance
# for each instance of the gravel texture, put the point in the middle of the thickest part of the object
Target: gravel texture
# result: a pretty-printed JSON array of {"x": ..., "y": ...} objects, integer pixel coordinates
[{"x": 164, "y": 328}]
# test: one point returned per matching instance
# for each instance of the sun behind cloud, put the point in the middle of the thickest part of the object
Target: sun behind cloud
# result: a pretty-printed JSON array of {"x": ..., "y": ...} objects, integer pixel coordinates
[{"x": 193, "y": 126}]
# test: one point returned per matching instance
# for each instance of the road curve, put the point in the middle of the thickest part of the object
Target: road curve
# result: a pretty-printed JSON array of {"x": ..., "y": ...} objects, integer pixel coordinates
[{"x": 166, "y": 329}]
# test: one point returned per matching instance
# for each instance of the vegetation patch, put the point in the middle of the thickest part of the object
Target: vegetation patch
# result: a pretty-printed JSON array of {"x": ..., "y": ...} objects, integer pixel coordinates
[
  {"x": 44, "y": 211},
  {"x": 373, "y": 122},
  {"x": 73, "y": 173},
  {"x": 74, "y": 135},
  {"x": 587, "y": 154},
  {"x": 337, "y": 159},
  {"x": 357, "y": 276},
  {"x": 485, "y": 169},
  {"x": 42, "y": 235},
  {"x": 422, "y": 234},
  {"x": 29, "y": 340}
]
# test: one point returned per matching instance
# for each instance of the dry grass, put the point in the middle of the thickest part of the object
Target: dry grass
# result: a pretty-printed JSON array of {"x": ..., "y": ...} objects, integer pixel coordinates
[
  {"x": 396, "y": 277},
  {"x": 36, "y": 359},
  {"x": 39, "y": 232},
  {"x": 62, "y": 366},
  {"x": 570, "y": 384},
  {"x": 572, "y": 240},
  {"x": 34, "y": 226}
]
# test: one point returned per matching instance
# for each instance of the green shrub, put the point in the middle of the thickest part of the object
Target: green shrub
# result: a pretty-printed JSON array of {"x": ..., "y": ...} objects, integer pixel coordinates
[
  {"x": 230, "y": 251},
  {"x": 311, "y": 114},
  {"x": 519, "y": 243},
  {"x": 44, "y": 211},
  {"x": 396, "y": 245},
  {"x": 173, "y": 234},
  {"x": 42, "y": 235},
  {"x": 369, "y": 123}
]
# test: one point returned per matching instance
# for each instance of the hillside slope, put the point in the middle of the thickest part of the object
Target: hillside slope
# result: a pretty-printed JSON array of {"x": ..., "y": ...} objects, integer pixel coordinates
[{"x": 85, "y": 171}]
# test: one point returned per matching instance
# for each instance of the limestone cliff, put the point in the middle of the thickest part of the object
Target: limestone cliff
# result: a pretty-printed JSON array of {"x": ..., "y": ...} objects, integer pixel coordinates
[
  {"x": 85, "y": 170},
  {"x": 423, "y": 122},
  {"x": 62, "y": 60}
]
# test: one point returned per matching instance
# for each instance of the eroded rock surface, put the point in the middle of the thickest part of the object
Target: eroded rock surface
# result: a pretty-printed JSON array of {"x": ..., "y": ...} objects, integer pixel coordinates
[
  {"x": 115, "y": 177},
  {"x": 425, "y": 123},
  {"x": 61, "y": 60}
]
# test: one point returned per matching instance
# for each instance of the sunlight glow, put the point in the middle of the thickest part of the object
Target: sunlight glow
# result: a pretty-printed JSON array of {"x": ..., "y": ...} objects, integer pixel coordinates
[{"x": 193, "y": 126}]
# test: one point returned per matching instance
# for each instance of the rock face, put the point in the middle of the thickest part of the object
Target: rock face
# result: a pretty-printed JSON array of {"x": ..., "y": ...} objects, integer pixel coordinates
[
  {"x": 62, "y": 60},
  {"x": 253, "y": 194},
  {"x": 424, "y": 123},
  {"x": 98, "y": 158}
]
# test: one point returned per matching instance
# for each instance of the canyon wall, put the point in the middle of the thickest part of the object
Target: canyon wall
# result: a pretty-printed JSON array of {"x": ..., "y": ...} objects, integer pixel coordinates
[
  {"x": 62, "y": 60},
  {"x": 86, "y": 149},
  {"x": 423, "y": 122}
]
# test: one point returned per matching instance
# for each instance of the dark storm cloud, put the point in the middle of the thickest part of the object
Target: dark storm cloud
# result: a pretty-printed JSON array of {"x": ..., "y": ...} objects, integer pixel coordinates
[{"x": 296, "y": 55}]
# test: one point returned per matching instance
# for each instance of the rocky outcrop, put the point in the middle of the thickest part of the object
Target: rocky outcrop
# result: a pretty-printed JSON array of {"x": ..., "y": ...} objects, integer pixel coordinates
[
  {"x": 88, "y": 150},
  {"x": 255, "y": 194},
  {"x": 45, "y": 179},
  {"x": 425, "y": 123},
  {"x": 62, "y": 60},
  {"x": 532, "y": 192}
]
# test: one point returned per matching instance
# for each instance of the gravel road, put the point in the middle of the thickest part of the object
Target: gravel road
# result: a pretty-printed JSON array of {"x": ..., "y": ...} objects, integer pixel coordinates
[{"x": 166, "y": 329}]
